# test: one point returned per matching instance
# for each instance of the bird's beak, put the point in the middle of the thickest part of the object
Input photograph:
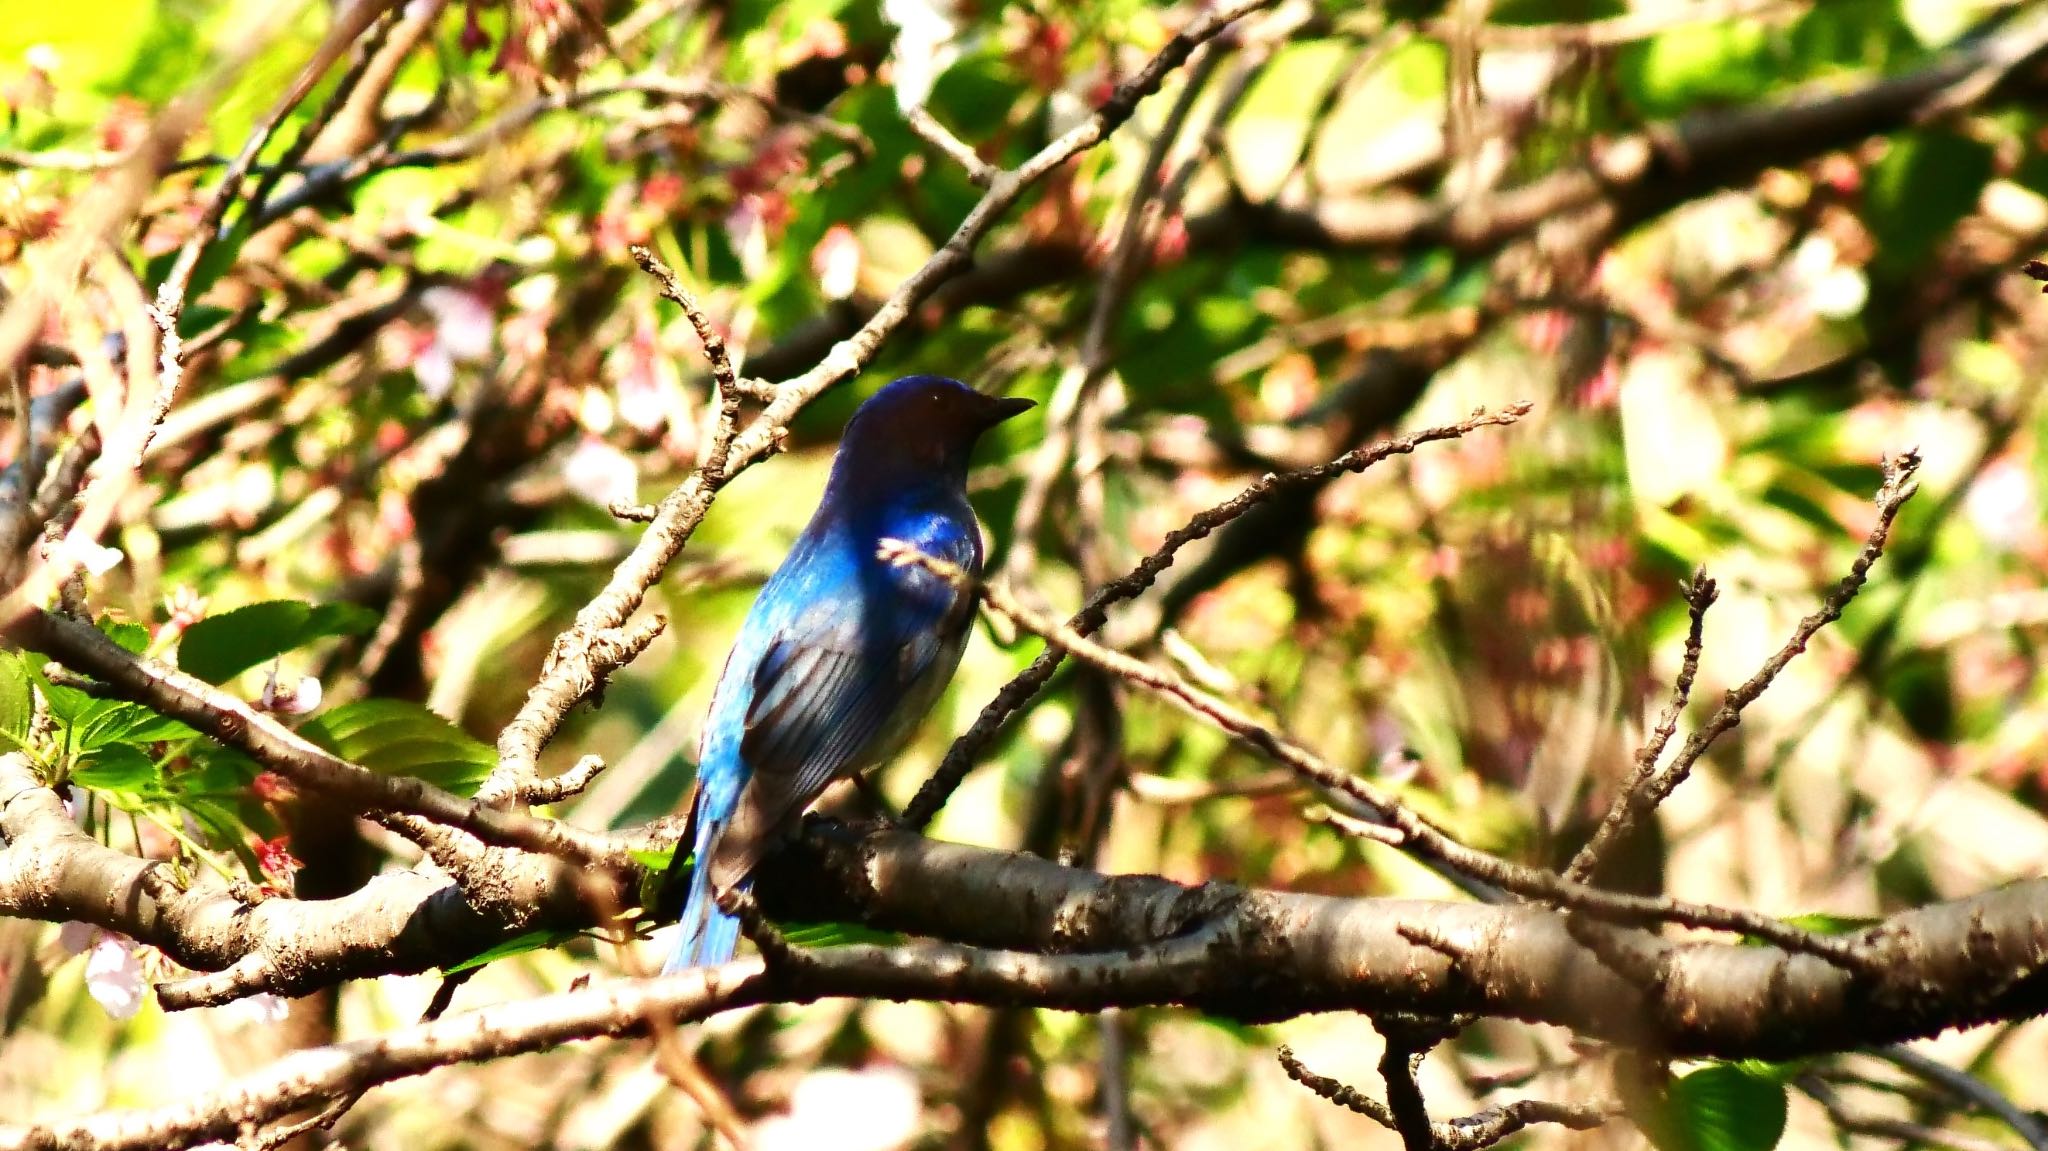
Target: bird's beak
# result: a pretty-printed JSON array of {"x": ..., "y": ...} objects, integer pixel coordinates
[{"x": 1001, "y": 408}]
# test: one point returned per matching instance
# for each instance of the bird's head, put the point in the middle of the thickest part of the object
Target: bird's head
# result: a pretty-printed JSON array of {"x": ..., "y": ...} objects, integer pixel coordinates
[{"x": 920, "y": 426}]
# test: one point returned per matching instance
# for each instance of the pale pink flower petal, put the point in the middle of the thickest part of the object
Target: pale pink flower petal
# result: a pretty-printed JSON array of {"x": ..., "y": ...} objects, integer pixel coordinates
[
  {"x": 113, "y": 977},
  {"x": 290, "y": 699},
  {"x": 836, "y": 262},
  {"x": 434, "y": 368},
  {"x": 259, "y": 1010},
  {"x": 2003, "y": 505},
  {"x": 746, "y": 229},
  {"x": 924, "y": 48},
  {"x": 601, "y": 473},
  {"x": 463, "y": 322},
  {"x": 75, "y": 937},
  {"x": 88, "y": 554}
]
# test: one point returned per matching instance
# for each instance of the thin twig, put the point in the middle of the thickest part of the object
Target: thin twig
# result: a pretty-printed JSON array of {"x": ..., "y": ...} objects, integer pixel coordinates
[
  {"x": 2026, "y": 1124},
  {"x": 1419, "y": 837},
  {"x": 322, "y": 1120},
  {"x": 1468, "y": 1133},
  {"x": 1014, "y": 694},
  {"x": 1898, "y": 487},
  {"x": 567, "y": 785},
  {"x": 1699, "y": 596},
  {"x": 1901, "y": 1130},
  {"x": 724, "y": 379},
  {"x": 980, "y": 172}
]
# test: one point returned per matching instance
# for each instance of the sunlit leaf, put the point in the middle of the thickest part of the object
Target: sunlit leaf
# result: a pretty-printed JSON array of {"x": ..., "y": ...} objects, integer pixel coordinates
[
  {"x": 541, "y": 940},
  {"x": 395, "y": 737},
  {"x": 222, "y": 646},
  {"x": 118, "y": 768},
  {"x": 1724, "y": 1107},
  {"x": 17, "y": 698}
]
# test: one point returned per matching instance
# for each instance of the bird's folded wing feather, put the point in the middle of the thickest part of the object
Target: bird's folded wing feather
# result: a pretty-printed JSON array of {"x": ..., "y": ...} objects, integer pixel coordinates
[{"x": 830, "y": 683}]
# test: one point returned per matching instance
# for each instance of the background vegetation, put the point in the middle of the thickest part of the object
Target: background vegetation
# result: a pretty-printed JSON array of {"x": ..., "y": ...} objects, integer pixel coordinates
[{"x": 1734, "y": 252}]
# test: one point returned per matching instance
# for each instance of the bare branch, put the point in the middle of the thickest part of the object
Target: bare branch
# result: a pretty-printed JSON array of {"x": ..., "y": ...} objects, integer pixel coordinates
[
  {"x": 567, "y": 785},
  {"x": 1649, "y": 788},
  {"x": 1469, "y": 1133},
  {"x": 960, "y": 757},
  {"x": 980, "y": 172},
  {"x": 1417, "y": 835},
  {"x": 1699, "y": 596}
]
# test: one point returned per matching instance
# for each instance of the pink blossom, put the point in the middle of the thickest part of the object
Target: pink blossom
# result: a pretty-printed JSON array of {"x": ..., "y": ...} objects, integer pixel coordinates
[
  {"x": 289, "y": 699},
  {"x": 113, "y": 976},
  {"x": 836, "y": 262},
  {"x": 83, "y": 552},
  {"x": 601, "y": 473},
  {"x": 259, "y": 1010},
  {"x": 463, "y": 329},
  {"x": 649, "y": 388},
  {"x": 76, "y": 937},
  {"x": 746, "y": 229},
  {"x": 2003, "y": 505}
]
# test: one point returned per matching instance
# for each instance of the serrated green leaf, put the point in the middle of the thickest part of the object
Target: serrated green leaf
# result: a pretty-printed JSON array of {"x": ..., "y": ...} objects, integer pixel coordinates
[
  {"x": 541, "y": 940},
  {"x": 108, "y": 722},
  {"x": 66, "y": 704},
  {"x": 215, "y": 771},
  {"x": 1725, "y": 1107},
  {"x": 132, "y": 637},
  {"x": 394, "y": 737},
  {"x": 17, "y": 698},
  {"x": 118, "y": 768},
  {"x": 222, "y": 646}
]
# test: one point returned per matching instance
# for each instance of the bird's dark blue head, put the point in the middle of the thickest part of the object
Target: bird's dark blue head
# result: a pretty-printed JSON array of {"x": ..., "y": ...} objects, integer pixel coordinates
[{"x": 919, "y": 428}]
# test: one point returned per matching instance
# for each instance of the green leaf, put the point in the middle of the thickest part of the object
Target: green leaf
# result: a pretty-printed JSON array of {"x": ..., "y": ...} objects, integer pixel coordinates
[
  {"x": 836, "y": 934},
  {"x": 222, "y": 646},
  {"x": 17, "y": 698},
  {"x": 133, "y": 637},
  {"x": 394, "y": 737},
  {"x": 1722, "y": 62},
  {"x": 540, "y": 940},
  {"x": 1926, "y": 183},
  {"x": 1822, "y": 923},
  {"x": 656, "y": 861},
  {"x": 1725, "y": 1107},
  {"x": 108, "y": 722},
  {"x": 118, "y": 768}
]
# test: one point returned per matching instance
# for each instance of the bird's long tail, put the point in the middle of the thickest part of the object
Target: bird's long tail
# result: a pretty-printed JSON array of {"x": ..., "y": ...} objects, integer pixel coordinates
[{"x": 709, "y": 936}]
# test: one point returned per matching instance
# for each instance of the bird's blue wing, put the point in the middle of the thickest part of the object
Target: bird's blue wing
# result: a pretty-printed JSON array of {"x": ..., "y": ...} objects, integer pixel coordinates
[{"x": 836, "y": 680}]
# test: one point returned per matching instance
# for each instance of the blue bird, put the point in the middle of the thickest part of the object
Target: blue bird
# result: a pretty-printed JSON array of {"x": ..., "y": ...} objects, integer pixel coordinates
[{"x": 843, "y": 652}]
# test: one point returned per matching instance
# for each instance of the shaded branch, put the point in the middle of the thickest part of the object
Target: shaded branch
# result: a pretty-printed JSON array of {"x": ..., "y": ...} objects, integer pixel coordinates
[{"x": 1469, "y": 1133}]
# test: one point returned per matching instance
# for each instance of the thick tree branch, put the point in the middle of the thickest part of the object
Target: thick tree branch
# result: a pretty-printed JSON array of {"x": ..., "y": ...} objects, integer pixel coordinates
[{"x": 1244, "y": 954}]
